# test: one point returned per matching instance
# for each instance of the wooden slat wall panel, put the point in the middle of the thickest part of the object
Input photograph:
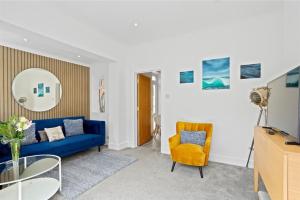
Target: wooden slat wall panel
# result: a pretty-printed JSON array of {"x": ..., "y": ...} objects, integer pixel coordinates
[{"x": 74, "y": 79}]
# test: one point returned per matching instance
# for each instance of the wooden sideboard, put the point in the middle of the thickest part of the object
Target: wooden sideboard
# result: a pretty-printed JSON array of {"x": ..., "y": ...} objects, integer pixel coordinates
[{"x": 277, "y": 164}]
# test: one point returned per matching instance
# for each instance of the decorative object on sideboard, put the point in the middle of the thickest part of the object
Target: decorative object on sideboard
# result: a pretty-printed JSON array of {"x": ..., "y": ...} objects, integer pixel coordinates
[
  {"x": 102, "y": 96},
  {"x": 259, "y": 96},
  {"x": 12, "y": 133},
  {"x": 216, "y": 74},
  {"x": 31, "y": 89},
  {"x": 250, "y": 71}
]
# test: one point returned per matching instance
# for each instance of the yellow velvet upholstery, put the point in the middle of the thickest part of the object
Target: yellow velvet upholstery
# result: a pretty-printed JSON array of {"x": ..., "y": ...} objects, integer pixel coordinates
[{"x": 191, "y": 154}]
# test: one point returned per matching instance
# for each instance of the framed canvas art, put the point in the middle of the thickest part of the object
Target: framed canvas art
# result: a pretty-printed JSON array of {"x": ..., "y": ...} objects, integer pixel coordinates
[
  {"x": 187, "y": 77},
  {"x": 216, "y": 74},
  {"x": 250, "y": 71}
]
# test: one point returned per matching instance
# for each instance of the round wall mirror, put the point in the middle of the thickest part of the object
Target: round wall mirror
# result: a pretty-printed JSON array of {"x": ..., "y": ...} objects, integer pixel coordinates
[{"x": 37, "y": 89}]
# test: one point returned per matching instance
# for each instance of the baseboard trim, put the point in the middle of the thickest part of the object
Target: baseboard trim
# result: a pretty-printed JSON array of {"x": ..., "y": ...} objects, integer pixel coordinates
[
  {"x": 119, "y": 146},
  {"x": 230, "y": 160},
  {"x": 226, "y": 160}
]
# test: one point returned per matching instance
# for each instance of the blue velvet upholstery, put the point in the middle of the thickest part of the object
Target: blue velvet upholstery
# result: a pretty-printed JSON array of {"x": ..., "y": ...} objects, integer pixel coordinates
[{"x": 94, "y": 135}]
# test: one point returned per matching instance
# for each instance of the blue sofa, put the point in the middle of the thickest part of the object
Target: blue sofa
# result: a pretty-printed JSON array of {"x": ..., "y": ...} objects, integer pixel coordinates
[{"x": 94, "y": 136}]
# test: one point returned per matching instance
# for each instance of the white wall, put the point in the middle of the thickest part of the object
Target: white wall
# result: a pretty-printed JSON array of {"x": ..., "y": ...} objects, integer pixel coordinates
[
  {"x": 99, "y": 71},
  {"x": 291, "y": 30},
  {"x": 254, "y": 40}
]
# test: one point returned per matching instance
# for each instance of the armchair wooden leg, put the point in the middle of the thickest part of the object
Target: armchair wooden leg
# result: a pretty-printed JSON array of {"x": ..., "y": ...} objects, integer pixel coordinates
[
  {"x": 201, "y": 172},
  {"x": 173, "y": 165},
  {"x": 99, "y": 148}
]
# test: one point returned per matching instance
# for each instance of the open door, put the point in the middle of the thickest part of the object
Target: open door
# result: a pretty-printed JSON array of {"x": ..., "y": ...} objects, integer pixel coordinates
[{"x": 144, "y": 109}]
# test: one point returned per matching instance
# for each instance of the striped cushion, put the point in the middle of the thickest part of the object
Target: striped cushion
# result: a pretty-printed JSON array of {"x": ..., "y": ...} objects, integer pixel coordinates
[{"x": 73, "y": 126}]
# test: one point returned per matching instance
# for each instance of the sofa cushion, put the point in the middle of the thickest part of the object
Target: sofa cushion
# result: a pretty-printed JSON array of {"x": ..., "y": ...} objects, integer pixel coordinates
[
  {"x": 193, "y": 137},
  {"x": 43, "y": 136},
  {"x": 54, "y": 133},
  {"x": 4, "y": 150},
  {"x": 29, "y": 135},
  {"x": 60, "y": 147},
  {"x": 73, "y": 126},
  {"x": 190, "y": 154},
  {"x": 49, "y": 123}
]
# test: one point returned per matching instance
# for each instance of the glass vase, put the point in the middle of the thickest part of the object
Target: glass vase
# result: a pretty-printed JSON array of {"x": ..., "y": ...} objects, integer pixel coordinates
[{"x": 15, "y": 155}]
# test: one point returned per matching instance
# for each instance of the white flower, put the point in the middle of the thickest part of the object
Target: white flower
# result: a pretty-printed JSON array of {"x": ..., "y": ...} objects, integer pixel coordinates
[
  {"x": 23, "y": 124},
  {"x": 23, "y": 119},
  {"x": 27, "y": 125}
]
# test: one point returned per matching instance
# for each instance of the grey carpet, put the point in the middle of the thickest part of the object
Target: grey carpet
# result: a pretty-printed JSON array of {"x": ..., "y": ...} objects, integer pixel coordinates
[
  {"x": 84, "y": 170},
  {"x": 150, "y": 178}
]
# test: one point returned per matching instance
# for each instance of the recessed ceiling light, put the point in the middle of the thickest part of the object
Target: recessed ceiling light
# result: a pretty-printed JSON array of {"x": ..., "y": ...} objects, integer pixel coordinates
[
  {"x": 25, "y": 40},
  {"x": 78, "y": 56},
  {"x": 135, "y": 24}
]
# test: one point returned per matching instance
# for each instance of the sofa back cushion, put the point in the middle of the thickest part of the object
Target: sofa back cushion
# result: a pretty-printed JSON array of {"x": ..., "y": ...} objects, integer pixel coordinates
[
  {"x": 54, "y": 133},
  {"x": 73, "y": 126},
  {"x": 41, "y": 124},
  {"x": 29, "y": 135},
  {"x": 43, "y": 136}
]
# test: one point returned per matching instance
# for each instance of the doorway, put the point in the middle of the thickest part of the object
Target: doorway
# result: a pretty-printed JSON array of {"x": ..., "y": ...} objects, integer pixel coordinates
[{"x": 148, "y": 108}]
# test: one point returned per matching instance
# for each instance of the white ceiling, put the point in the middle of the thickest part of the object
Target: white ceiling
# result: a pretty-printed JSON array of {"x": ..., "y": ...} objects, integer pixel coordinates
[
  {"x": 13, "y": 36},
  {"x": 157, "y": 19}
]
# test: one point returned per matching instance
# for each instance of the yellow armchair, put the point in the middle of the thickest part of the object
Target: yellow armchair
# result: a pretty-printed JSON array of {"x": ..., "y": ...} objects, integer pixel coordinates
[{"x": 190, "y": 154}]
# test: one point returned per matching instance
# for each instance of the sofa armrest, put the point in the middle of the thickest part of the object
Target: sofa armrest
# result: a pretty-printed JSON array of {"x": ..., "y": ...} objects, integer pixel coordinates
[
  {"x": 174, "y": 141},
  {"x": 94, "y": 127}
]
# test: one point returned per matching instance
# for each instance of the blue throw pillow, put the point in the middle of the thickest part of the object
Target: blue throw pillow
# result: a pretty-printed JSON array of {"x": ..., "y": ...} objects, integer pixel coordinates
[
  {"x": 29, "y": 135},
  {"x": 73, "y": 126},
  {"x": 193, "y": 137}
]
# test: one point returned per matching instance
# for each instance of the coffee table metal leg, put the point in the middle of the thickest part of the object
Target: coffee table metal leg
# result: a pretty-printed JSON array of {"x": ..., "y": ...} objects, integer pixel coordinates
[
  {"x": 25, "y": 162},
  {"x": 19, "y": 190},
  {"x": 60, "y": 181}
]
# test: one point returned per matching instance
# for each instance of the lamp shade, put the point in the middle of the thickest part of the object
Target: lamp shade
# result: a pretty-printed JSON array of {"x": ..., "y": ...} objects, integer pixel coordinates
[{"x": 259, "y": 96}]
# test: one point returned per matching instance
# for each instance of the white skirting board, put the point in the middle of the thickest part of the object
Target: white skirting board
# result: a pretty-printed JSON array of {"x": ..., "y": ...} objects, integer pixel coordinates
[{"x": 262, "y": 195}]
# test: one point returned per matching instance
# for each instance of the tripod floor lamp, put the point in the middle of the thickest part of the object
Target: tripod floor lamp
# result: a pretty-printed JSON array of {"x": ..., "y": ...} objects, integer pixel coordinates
[{"x": 259, "y": 96}]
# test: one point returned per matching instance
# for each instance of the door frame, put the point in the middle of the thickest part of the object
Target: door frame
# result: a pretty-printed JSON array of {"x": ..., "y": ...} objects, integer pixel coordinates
[{"x": 135, "y": 103}]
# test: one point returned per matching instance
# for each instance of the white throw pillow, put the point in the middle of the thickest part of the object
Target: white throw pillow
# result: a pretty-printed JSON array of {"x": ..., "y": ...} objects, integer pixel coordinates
[{"x": 55, "y": 133}]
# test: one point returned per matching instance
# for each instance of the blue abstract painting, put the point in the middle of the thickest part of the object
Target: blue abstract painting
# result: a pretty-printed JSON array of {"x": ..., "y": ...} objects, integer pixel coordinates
[
  {"x": 216, "y": 74},
  {"x": 250, "y": 71},
  {"x": 187, "y": 77},
  {"x": 40, "y": 89},
  {"x": 292, "y": 78}
]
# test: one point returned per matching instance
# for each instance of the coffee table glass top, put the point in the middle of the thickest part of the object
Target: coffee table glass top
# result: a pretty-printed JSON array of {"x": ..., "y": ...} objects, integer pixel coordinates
[{"x": 29, "y": 167}]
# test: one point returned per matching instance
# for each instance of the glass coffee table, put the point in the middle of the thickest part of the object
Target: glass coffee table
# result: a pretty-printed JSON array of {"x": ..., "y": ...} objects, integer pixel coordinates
[{"x": 33, "y": 181}]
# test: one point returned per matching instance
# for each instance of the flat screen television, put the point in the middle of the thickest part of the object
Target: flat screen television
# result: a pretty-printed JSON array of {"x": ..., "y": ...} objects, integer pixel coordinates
[{"x": 284, "y": 106}]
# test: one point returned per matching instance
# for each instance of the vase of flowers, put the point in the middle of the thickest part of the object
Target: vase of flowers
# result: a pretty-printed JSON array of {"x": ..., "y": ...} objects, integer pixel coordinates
[{"x": 12, "y": 133}]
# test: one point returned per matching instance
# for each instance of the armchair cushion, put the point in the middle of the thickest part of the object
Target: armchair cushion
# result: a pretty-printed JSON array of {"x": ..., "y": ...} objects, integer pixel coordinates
[
  {"x": 193, "y": 137},
  {"x": 189, "y": 154}
]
